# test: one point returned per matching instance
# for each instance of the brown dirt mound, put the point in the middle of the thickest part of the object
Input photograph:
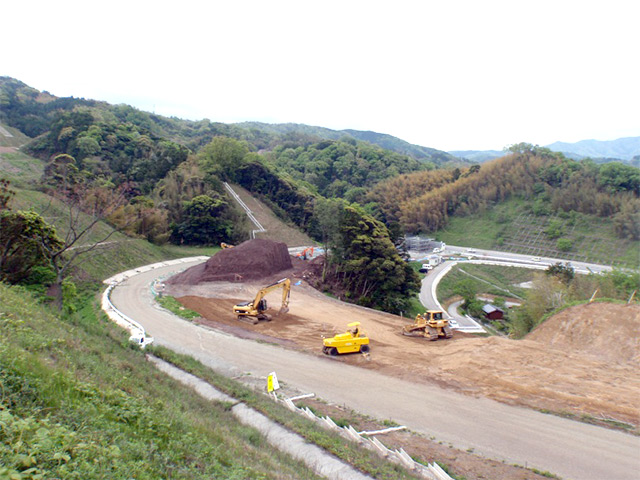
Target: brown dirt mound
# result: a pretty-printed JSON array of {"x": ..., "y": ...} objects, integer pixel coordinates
[
  {"x": 251, "y": 260},
  {"x": 605, "y": 330}
]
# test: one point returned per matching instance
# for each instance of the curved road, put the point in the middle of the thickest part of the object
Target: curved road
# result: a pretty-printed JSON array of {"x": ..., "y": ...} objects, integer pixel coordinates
[
  {"x": 515, "y": 435},
  {"x": 427, "y": 294}
]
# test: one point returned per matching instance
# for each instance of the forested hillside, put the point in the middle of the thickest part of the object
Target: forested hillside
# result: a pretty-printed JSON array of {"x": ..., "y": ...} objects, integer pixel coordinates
[
  {"x": 162, "y": 180},
  {"x": 341, "y": 169},
  {"x": 424, "y": 202},
  {"x": 387, "y": 142}
]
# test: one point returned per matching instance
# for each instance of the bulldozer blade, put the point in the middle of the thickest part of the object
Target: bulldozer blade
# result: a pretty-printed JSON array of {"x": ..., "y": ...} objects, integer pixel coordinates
[{"x": 413, "y": 333}]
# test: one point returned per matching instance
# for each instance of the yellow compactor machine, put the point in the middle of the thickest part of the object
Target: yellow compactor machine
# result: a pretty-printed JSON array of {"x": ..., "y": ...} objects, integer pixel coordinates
[
  {"x": 255, "y": 311},
  {"x": 354, "y": 340},
  {"x": 431, "y": 324}
]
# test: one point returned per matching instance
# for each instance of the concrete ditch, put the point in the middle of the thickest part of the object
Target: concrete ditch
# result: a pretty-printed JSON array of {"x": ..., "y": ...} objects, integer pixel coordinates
[{"x": 317, "y": 459}]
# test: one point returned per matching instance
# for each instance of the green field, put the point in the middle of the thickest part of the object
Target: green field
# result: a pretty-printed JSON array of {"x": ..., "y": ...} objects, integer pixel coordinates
[
  {"x": 488, "y": 279},
  {"x": 512, "y": 227},
  {"x": 20, "y": 169}
]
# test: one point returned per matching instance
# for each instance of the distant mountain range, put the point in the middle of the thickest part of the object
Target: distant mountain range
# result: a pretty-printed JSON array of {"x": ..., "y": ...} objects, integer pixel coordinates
[
  {"x": 624, "y": 149},
  {"x": 389, "y": 142},
  {"x": 478, "y": 156}
]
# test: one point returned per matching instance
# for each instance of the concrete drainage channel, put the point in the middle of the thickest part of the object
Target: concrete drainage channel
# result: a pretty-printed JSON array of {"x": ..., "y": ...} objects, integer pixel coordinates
[{"x": 313, "y": 456}]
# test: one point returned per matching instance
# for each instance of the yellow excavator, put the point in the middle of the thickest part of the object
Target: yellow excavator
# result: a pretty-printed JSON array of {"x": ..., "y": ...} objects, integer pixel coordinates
[
  {"x": 254, "y": 311},
  {"x": 431, "y": 324},
  {"x": 354, "y": 340},
  {"x": 226, "y": 245}
]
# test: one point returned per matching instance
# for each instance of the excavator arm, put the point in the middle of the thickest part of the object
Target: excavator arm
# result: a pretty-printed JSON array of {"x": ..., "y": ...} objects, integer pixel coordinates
[
  {"x": 285, "y": 284},
  {"x": 255, "y": 309}
]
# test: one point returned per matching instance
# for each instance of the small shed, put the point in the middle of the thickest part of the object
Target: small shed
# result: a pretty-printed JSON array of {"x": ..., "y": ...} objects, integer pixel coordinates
[{"x": 492, "y": 312}]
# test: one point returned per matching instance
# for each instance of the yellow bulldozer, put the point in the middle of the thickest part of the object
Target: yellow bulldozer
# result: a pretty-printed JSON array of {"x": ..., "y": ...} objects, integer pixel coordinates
[
  {"x": 431, "y": 324},
  {"x": 255, "y": 311},
  {"x": 354, "y": 340}
]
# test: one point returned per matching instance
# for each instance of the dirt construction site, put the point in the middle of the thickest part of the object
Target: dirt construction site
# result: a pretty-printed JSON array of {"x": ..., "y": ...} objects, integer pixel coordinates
[{"x": 582, "y": 362}]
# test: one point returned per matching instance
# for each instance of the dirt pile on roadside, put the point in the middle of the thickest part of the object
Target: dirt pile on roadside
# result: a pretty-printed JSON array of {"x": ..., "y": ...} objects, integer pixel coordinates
[
  {"x": 251, "y": 260},
  {"x": 605, "y": 330}
]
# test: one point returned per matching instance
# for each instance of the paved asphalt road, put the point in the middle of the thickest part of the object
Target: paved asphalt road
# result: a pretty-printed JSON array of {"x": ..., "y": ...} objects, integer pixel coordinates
[
  {"x": 569, "y": 449},
  {"x": 471, "y": 255}
]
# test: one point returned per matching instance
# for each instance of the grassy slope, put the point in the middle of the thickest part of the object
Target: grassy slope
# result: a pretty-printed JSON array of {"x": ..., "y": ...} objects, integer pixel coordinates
[
  {"x": 275, "y": 228},
  {"x": 490, "y": 279},
  {"x": 78, "y": 402},
  {"x": 511, "y": 227},
  {"x": 15, "y": 138},
  {"x": 21, "y": 169}
]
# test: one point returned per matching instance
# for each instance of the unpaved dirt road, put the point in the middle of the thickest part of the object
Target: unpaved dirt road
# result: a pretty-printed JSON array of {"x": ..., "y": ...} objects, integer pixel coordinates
[{"x": 513, "y": 434}]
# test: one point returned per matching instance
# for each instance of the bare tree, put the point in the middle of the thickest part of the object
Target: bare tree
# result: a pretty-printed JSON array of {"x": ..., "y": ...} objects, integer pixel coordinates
[{"x": 86, "y": 209}]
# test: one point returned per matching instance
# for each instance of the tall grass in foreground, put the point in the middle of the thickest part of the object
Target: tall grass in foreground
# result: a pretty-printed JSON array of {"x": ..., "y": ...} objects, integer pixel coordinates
[{"x": 78, "y": 401}]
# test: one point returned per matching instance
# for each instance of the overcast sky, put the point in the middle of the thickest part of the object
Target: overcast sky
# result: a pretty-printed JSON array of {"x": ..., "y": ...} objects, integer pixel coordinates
[{"x": 451, "y": 75}]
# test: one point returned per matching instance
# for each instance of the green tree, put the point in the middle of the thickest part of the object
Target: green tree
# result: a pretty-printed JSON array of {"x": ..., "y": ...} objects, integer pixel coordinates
[
  {"x": 467, "y": 289},
  {"x": 564, "y": 244},
  {"x": 369, "y": 264},
  {"x": 207, "y": 221},
  {"x": 6, "y": 194},
  {"x": 521, "y": 147},
  {"x": 223, "y": 156},
  {"x": 618, "y": 176},
  {"x": 62, "y": 175},
  {"x": 326, "y": 215},
  {"x": 565, "y": 272},
  {"x": 26, "y": 242},
  {"x": 87, "y": 146},
  {"x": 554, "y": 230},
  {"x": 548, "y": 293}
]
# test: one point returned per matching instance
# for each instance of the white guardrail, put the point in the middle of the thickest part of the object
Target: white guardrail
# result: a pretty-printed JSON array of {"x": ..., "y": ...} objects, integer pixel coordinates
[
  {"x": 432, "y": 471},
  {"x": 138, "y": 334}
]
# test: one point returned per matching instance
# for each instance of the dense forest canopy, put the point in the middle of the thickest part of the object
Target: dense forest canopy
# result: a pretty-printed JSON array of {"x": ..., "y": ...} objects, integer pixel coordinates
[{"x": 345, "y": 168}]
